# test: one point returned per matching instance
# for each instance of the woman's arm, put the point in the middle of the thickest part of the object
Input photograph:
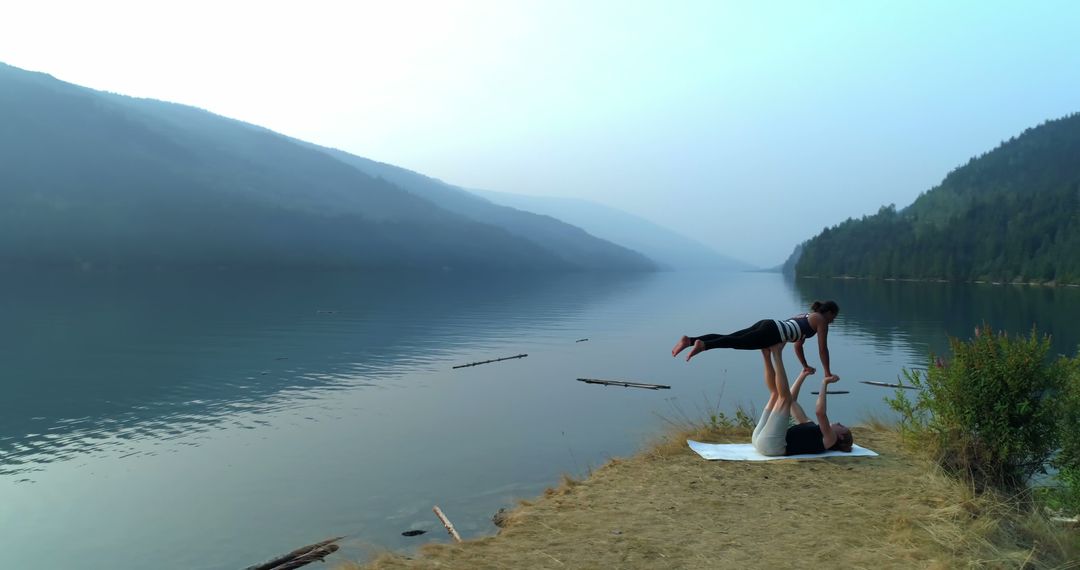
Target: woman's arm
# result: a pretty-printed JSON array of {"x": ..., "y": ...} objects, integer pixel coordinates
[
  {"x": 802, "y": 356},
  {"x": 823, "y": 346}
]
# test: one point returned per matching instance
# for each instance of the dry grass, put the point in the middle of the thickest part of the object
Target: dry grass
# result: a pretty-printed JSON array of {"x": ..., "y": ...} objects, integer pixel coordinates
[
  {"x": 667, "y": 508},
  {"x": 874, "y": 422}
]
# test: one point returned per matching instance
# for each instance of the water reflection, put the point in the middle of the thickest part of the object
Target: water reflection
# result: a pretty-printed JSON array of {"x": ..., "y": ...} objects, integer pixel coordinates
[
  {"x": 209, "y": 420},
  {"x": 920, "y": 316},
  {"x": 95, "y": 360}
]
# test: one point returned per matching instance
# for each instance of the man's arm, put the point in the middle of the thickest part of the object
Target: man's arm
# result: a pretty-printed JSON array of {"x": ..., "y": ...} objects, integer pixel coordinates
[
  {"x": 796, "y": 409},
  {"x": 828, "y": 436},
  {"x": 802, "y": 356}
]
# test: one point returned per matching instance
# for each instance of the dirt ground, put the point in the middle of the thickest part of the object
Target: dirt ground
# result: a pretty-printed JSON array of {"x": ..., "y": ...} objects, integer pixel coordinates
[{"x": 668, "y": 508}]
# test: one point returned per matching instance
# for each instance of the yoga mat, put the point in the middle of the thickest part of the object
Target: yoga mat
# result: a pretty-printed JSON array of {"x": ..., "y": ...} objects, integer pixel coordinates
[{"x": 746, "y": 452}]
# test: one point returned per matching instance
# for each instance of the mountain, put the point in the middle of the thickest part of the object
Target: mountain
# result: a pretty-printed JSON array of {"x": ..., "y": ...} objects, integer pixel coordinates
[
  {"x": 788, "y": 266},
  {"x": 1012, "y": 214},
  {"x": 668, "y": 248},
  {"x": 569, "y": 242},
  {"x": 99, "y": 179}
]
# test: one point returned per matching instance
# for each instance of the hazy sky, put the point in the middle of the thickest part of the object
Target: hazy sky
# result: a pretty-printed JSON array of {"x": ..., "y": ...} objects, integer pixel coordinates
[{"x": 746, "y": 125}]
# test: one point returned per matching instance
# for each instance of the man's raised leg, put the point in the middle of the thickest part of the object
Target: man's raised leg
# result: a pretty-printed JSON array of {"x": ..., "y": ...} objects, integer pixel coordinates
[
  {"x": 783, "y": 389},
  {"x": 770, "y": 384}
]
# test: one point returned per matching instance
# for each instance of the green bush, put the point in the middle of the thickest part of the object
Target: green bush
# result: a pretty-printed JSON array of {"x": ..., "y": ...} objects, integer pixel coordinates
[
  {"x": 1068, "y": 460},
  {"x": 992, "y": 412}
]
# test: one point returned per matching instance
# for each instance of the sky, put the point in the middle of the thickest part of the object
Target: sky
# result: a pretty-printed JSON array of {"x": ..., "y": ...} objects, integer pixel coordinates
[{"x": 748, "y": 126}]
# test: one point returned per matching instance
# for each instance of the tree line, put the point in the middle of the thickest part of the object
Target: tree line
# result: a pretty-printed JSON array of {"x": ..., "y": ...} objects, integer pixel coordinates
[{"x": 1012, "y": 214}]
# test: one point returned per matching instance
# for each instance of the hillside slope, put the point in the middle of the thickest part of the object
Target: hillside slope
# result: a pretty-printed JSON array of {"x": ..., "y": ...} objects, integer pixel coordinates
[
  {"x": 668, "y": 248},
  {"x": 96, "y": 179},
  {"x": 569, "y": 241}
]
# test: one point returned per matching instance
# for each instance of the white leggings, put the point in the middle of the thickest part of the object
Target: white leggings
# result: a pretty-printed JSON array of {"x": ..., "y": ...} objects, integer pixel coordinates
[{"x": 770, "y": 433}]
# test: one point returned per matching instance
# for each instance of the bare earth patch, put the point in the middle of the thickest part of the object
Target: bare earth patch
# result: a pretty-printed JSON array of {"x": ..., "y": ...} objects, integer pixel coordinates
[{"x": 668, "y": 508}]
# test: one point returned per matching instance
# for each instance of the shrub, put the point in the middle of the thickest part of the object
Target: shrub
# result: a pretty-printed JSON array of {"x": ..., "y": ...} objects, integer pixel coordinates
[
  {"x": 990, "y": 413},
  {"x": 1068, "y": 459}
]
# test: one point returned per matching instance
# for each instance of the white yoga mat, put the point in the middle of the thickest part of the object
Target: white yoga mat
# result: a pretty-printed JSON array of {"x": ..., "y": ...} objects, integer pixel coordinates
[{"x": 746, "y": 452}]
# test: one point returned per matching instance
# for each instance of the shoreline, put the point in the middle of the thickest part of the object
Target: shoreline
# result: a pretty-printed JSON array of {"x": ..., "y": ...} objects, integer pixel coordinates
[
  {"x": 940, "y": 280},
  {"x": 665, "y": 507}
]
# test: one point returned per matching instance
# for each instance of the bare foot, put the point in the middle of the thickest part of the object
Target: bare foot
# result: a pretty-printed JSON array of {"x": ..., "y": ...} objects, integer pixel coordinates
[
  {"x": 680, "y": 346},
  {"x": 699, "y": 346}
]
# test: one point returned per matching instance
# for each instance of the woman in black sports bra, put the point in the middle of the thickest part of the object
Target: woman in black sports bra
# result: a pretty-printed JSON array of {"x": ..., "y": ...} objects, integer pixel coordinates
[
  {"x": 768, "y": 333},
  {"x": 770, "y": 336}
]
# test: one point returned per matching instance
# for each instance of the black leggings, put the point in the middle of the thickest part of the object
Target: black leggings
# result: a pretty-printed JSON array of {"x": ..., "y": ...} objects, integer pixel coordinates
[{"x": 761, "y": 334}]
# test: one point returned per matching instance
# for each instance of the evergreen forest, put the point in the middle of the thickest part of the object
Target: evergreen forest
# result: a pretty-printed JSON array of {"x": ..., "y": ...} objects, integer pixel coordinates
[{"x": 1012, "y": 214}]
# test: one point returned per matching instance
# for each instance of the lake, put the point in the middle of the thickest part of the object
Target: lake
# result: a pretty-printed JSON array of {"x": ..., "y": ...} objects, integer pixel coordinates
[{"x": 214, "y": 420}]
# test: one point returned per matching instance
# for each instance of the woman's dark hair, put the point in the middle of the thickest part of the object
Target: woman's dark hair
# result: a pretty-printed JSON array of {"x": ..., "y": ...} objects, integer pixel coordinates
[{"x": 825, "y": 307}]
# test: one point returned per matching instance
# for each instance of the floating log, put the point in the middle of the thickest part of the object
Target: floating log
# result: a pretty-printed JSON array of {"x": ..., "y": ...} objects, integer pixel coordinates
[
  {"x": 316, "y": 555},
  {"x": 275, "y": 563},
  {"x": 581, "y": 340},
  {"x": 624, "y": 384},
  {"x": 446, "y": 522},
  {"x": 888, "y": 385},
  {"x": 489, "y": 361},
  {"x": 832, "y": 392}
]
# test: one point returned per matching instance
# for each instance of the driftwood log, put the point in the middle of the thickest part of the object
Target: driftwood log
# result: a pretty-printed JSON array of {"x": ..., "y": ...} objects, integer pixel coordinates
[
  {"x": 320, "y": 550},
  {"x": 316, "y": 555},
  {"x": 888, "y": 385},
  {"x": 624, "y": 384},
  {"x": 446, "y": 523},
  {"x": 489, "y": 361}
]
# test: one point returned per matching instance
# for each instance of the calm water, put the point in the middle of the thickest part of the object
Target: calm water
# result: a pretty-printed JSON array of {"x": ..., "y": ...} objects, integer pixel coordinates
[{"x": 212, "y": 421}]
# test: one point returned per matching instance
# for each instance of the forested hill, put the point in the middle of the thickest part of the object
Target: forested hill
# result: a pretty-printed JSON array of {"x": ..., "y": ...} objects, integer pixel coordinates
[
  {"x": 89, "y": 178},
  {"x": 1012, "y": 214}
]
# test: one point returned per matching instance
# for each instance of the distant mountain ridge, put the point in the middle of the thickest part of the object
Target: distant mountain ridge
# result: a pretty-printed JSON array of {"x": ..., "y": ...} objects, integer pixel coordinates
[
  {"x": 569, "y": 241},
  {"x": 667, "y": 247},
  {"x": 1012, "y": 214},
  {"x": 89, "y": 178}
]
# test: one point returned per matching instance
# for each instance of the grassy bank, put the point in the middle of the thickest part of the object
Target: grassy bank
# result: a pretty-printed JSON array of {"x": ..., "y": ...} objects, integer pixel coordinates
[{"x": 667, "y": 508}]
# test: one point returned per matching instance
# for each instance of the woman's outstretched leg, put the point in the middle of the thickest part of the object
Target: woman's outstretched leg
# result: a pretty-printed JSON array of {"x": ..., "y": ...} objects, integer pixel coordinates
[
  {"x": 686, "y": 341},
  {"x": 762, "y": 334},
  {"x": 680, "y": 346},
  {"x": 707, "y": 341},
  {"x": 699, "y": 346}
]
